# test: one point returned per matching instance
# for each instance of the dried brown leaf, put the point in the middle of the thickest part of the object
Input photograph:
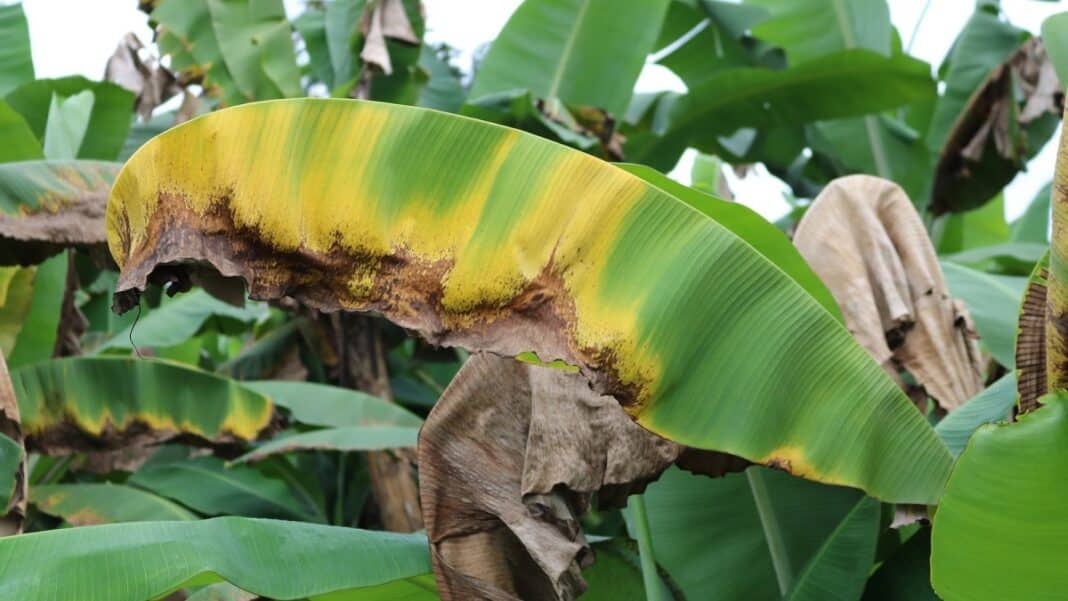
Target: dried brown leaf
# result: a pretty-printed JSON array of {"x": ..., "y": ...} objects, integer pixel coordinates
[
  {"x": 12, "y": 516},
  {"x": 30, "y": 238},
  {"x": 1031, "y": 344},
  {"x": 509, "y": 458},
  {"x": 384, "y": 19},
  {"x": 994, "y": 111},
  {"x": 865, "y": 240},
  {"x": 151, "y": 82}
]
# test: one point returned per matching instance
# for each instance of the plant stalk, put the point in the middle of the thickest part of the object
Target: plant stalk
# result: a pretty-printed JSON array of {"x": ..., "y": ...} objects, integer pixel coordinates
[
  {"x": 1057, "y": 293},
  {"x": 645, "y": 549}
]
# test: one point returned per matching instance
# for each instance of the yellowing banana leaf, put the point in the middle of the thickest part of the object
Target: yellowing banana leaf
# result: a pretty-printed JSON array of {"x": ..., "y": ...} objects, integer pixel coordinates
[
  {"x": 109, "y": 402},
  {"x": 484, "y": 237},
  {"x": 94, "y": 504},
  {"x": 1005, "y": 502},
  {"x": 148, "y": 560},
  {"x": 46, "y": 206}
]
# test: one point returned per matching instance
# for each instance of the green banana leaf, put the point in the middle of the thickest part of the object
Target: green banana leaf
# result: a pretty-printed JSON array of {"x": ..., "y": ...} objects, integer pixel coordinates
[
  {"x": 698, "y": 335},
  {"x": 179, "y": 319},
  {"x": 905, "y": 575},
  {"x": 332, "y": 406},
  {"x": 19, "y": 142},
  {"x": 994, "y": 404},
  {"x": 1033, "y": 225},
  {"x": 1055, "y": 36},
  {"x": 843, "y": 84},
  {"x": 351, "y": 438},
  {"x": 1004, "y": 503},
  {"x": 16, "y": 63},
  {"x": 36, "y": 335},
  {"x": 762, "y": 535},
  {"x": 106, "y": 402},
  {"x": 583, "y": 52},
  {"x": 93, "y": 504},
  {"x": 147, "y": 560},
  {"x": 207, "y": 485},
  {"x": 809, "y": 29},
  {"x": 109, "y": 118},
  {"x": 994, "y": 303}
]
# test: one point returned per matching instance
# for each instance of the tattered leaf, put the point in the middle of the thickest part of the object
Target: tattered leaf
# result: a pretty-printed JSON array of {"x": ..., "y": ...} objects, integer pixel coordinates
[
  {"x": 535, "y": 247},
  {"x": 152, "y": 83},
  {"x": 46, "y": 206}
]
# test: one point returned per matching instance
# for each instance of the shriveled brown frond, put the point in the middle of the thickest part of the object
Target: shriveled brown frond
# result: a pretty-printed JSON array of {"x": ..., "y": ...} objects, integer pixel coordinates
[{"x": 865, "y": 240}]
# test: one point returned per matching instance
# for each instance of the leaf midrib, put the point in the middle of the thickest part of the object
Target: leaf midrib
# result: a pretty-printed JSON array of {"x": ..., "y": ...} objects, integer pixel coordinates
[{"x": 569, "y": 47}]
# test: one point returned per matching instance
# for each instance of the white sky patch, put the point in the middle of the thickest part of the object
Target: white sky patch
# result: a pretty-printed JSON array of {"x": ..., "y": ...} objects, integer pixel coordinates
[{"x": 76, "y": 37}]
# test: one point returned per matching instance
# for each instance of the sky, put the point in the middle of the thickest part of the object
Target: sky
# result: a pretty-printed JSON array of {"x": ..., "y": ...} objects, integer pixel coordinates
[{"x": 75, "y": 37}]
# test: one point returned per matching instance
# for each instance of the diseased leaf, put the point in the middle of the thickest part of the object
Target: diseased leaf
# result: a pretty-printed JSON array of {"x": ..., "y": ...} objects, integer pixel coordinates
[
  {"x": 94, "y": 504},
  {"x": 561, "y": 49},
  {"x": 1007, "y": 120},
  {"x": 12, "y": 460},
  {"x": 979, "y": 522},
  {"x": 865, "y": 239},
  {"x": 508, "y": 460},
  {"x": 104, "y": 403},
  {"x": 255, "y": 555},
  {"x": 535, "y": 247},
  {"x": 212, "y": 488},
  {"x": 46, "y": 206}
]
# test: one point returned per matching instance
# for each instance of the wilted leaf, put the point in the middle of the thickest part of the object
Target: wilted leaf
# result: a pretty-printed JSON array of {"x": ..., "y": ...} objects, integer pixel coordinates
[
  {"x": 104, "y": 403},
  {"x": 107, "y": 503},
  {"x": 534, "y": 247},
  {"x": 46, "y": 206},
  {"x": 384, "y": 19},
  {"x": 865, "y": 239},
  {"x": 12, "y": 459},
  {"x": 508, "y": 460},
  {"x": 1005, "y": 123},
  {"x": 153, "y": 83}
]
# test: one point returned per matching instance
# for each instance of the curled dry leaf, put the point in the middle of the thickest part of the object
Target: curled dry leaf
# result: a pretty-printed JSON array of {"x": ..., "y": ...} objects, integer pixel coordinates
[
  {"x": 46, "y": 206},
  {"x": 384, "y": 19},
  {"x": 153, "y": 83},
  {"x": 508, "y": 460},
  {"x": 1015, "y": 94},
  {"x": 865, "y": 240},
  {"x": 13, "y": 493}
]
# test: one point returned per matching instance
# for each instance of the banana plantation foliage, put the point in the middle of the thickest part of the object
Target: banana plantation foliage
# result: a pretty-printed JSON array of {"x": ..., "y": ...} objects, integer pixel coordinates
[{"x": 293, "y": 305}]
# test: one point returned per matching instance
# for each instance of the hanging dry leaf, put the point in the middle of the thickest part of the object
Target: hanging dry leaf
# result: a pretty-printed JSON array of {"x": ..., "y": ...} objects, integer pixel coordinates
[
  {"x": 381, "y": 20},
  {"x": 509, "y": 458},
  {"x": 865, "y": 240},
  {"x": 14, "y": 493},
  {"x": 153, "y": 83},
  {"x": 1016, "y": 93}
]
